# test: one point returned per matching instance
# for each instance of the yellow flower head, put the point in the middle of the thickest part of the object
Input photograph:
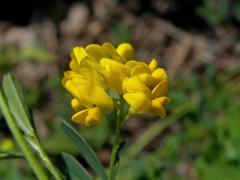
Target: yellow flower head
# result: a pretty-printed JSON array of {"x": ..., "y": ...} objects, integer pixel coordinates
[
  {"x": 98, "y": 69},
  {"x": 6, "y": 144},
  {"x": 146, "y": 89}
]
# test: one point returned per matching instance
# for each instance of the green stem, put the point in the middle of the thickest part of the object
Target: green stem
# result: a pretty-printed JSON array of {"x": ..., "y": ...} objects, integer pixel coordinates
[
  {"x": 47, "y": 161},
  {"x": 33, "y": 162},
  {"x": 112, "y": 170}
]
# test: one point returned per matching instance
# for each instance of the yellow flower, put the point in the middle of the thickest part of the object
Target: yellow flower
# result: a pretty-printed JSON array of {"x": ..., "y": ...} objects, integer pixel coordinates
[
  {"x": 114, "y": 67},
  {"x": 87, "y": 92},
  {"x": 147, "y": 88},
  {"x": 89, "y": 98},
  {"x": 85, "y": 116},
  {"x": 96, "y": 69}
]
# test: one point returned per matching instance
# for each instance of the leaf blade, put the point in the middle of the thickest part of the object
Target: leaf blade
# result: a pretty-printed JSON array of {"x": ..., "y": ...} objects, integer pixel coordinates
[
  {"x": 71, "y": 168},
  {"x": 10, "y": 155},
  {"x": 16, "y": 104},
  {"x": 85, "y": 149}
]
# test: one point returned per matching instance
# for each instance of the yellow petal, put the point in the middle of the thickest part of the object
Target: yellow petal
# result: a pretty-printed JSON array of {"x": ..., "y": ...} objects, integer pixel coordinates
[
  {"x": 139, "y": 101},
  {"x": 80, "y": 117},
  {"x": 126, "y": 51},
  {"x": 147, "y": 79},
  {"x": 112, "y": 51},
  {"x": 92, "y": 93},
  {"x": 70, "y": 74},
  {"x": 93, "y": 72},
  {"x": 74, "y": 66},
  {"x": 140, "y": 69},
  {"x": 159, "y": 110},
  {"x": 159, "y": 74},
  {"x": 76, "y": 105},
  {"x": 162, "y": 100},
  {"x": 153, "y": 64},
  {"x": 160, "y": 90},
  {"x": 86, "y": 92},
  {"x": 157, "y": 106},
  {"x": 134, "y": 84},
  {"x": 115, "y": 73},
  {"x": 79, "y": 54},
  {"x": 94, "y": 116},
  {"x": 96, "y": 51},
  {"x": 88, "y": 116},
  {"x": 131, "y": 64},
  {"x": 71, "y": 87}
]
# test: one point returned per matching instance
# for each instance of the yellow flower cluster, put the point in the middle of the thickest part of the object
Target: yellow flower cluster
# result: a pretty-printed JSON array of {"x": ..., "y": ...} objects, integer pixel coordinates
[{"x": 96, "y": 70}]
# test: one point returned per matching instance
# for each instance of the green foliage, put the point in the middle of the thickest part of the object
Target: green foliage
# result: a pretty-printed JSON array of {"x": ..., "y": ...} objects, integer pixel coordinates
[
  {"x": 10, "y": 155},
  {"x": 19, "y": 137},
  {"x": 27, "y": 136},
  {"x": 219, "y": 11},
  {"x": 71, "y": 169},
  {"x": 201, "y": 131},
  {"x": 54, "y": 143},
  {"x": 32, "y": 96},
  {"x": 9, "y": 171},
  {"x": 85, "y": 149},
  {"x": 236, "y": 9},
  {"x": 10, "y": 55},
  {"x": 219, "y": 169},
  {"x": 36, "y": 53},
  {"x": 98, "y": 135},
  {"x": 17, "y": 106},
  {"x": 206, "y": 111},
  {"x": 214, "y": 11},
  {"x": 7, "y": 56}
]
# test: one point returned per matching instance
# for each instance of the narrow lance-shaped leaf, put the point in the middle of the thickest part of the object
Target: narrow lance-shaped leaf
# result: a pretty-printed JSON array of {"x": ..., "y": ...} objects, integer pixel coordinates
[
  {"x": 23, "y": 119},
  {"x": 71, "y": 168},
  {"x": 20, "y": 139},
  {"x": 16, "y": 104},
  {"x": 85, "y": 149},
  {"x": 10, "y": 155}
]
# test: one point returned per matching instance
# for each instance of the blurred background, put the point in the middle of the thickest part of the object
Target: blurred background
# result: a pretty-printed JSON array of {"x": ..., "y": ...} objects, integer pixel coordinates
[{"x": 197, "y": 41}]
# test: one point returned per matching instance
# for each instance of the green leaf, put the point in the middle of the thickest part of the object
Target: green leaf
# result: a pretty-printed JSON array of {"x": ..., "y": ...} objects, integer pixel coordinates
[
  {"x": 36, "y": 53},
  {"x": 70, "y": 168},
  {"x": 85, "y": 149},
  {"x": 16, "y": 104},
  {"x": 10, "y": 155}
]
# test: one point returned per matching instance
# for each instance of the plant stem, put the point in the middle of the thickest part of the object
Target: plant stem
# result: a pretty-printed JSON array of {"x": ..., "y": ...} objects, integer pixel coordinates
[
  {"x": 114, "y": 154},
  {"x": 112, "y": 170},
  {"x": 33, "y": 162},
  {"x": 48, "y": 164}
]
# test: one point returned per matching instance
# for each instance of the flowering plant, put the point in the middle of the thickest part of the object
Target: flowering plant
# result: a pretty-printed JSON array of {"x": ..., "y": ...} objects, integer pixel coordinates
[
  {"x": 102, "y": 79},
  {"x": 97, "y": 71}
]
